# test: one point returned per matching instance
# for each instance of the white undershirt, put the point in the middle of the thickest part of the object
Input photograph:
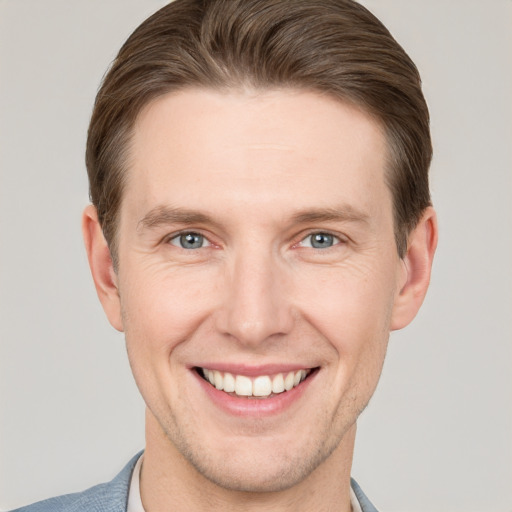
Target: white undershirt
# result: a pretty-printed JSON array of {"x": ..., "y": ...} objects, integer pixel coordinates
[{"x": 135, "y": 501}]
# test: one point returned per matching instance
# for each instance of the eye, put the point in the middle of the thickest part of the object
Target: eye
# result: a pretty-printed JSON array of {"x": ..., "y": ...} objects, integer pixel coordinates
[
  {"x": 189, "y": 240},
  {"x": 320, "y": 241}
]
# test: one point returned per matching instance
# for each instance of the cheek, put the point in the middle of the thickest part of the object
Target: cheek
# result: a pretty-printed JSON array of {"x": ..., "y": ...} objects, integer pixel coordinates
[
  {"x": 162, "y": 309},
  {"x": 347, "y": 306},
  {"x": 352, "y": 312},
  {"x": 161, "y": 312}
]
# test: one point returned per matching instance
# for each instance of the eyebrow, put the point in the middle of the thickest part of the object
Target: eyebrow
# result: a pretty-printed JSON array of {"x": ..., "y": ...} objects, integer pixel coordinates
[
  {"x": 165, "y": 215},
  {"x": 345, "y": 213}
]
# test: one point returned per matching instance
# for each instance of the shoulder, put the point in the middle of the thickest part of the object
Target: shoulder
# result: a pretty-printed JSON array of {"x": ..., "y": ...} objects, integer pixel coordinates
[{"x": 108, "y": 497}]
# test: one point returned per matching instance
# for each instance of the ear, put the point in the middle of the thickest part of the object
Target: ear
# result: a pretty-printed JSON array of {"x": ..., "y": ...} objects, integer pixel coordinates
[
  {"x": 102, "y": 268},
  {"x": 417, "y": 265}
]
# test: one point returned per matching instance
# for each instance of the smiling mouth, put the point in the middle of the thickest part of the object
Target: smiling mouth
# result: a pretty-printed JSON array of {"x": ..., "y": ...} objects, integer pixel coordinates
[{"x": 263, "y": 386}]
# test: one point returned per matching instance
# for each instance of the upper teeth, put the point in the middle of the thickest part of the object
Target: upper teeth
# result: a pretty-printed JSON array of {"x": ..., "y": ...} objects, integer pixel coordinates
[{"x": 263, "y": 385}]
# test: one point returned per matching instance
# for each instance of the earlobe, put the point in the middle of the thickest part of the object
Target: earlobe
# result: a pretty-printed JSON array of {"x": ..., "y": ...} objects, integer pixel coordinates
[
  {"x": 102, "y": 269},
  {"x": 417, "y": 265}
]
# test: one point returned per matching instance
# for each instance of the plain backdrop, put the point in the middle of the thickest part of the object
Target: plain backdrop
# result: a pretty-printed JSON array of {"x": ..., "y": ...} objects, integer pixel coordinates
[{"x": 437, "y": 435}]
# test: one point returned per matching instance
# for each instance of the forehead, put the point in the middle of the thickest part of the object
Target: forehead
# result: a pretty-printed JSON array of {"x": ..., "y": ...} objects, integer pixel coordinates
[{"x": 291, "y": 147}]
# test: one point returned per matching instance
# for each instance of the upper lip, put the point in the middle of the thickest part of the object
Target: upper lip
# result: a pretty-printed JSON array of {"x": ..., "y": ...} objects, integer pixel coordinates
[{"x": 254, "y": 370}]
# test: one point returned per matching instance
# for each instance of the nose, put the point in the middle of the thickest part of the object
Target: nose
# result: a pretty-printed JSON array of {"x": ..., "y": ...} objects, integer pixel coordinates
[{"x": 256, "y": 306}]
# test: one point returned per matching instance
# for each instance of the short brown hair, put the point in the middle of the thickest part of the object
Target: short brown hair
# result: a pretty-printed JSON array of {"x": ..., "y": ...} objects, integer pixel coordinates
[{"x": 333, "y": 46}]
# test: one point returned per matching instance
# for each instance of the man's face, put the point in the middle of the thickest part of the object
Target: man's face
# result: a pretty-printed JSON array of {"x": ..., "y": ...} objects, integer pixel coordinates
[{"x": 256, "y": 240}]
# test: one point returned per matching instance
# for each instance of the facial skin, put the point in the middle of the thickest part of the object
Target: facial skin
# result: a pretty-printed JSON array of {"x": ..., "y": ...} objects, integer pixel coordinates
[{"x": 252, "y": 177}]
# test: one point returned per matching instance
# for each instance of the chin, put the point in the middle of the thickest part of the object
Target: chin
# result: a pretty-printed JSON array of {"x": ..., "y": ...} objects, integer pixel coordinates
[
  {"x": 256, "y": 476},
  {"x": 259, "y": 465}
]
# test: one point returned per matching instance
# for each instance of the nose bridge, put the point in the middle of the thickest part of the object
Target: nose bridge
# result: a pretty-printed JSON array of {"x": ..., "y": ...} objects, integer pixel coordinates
[{"x": 256, "y": 305}]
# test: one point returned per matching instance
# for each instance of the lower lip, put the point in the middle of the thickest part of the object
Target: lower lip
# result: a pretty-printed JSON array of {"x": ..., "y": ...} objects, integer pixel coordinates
[{"x": 254, "y": 407}]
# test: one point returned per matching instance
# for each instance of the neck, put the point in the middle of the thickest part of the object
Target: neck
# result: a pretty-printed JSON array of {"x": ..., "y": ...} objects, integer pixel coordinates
[{"x": 169, "y": 482}]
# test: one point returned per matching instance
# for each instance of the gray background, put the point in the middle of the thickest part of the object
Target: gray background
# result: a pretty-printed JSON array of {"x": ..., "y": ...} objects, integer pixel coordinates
[{"x": 438, "y": 433}]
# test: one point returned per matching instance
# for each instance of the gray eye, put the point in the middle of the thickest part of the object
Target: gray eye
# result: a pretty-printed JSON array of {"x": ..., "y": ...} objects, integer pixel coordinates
[
  {"x": 189, "y": 241},
  {"x": 320, "y": 241}
]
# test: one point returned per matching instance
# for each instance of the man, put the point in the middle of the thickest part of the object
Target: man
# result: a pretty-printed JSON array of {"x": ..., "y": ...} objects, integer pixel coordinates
[{"x": 261, "y": 221}]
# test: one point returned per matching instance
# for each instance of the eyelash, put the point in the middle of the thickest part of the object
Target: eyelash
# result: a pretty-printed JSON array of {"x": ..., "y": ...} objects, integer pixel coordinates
[
  {"x": 335, "y": 240},
  {"x": 178, "y": 237}
]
